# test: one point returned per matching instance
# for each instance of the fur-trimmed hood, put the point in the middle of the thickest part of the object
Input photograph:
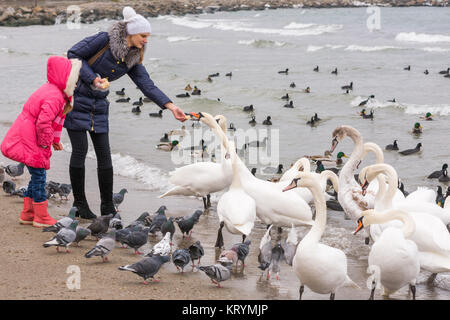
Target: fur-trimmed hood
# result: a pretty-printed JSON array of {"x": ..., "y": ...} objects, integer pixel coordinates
[{"x": 119, "y": 46}]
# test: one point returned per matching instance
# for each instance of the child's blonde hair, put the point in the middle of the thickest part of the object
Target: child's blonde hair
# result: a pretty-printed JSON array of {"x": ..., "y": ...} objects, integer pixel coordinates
[{"x": 67, "y": 107}]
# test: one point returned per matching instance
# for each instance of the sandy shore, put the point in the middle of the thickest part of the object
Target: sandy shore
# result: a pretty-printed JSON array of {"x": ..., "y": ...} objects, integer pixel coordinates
[{"x": 30, "y": 271}]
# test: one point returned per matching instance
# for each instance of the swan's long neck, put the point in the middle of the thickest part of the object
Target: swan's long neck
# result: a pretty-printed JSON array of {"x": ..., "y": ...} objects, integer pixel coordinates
[
  {"x": 409, "y": 226},
  {"x": 373, "y": 147},
  {"x": 392, "y": 184},
  {"x": 304, "y": 163},
  {"x": 380, "y": 193},
  {"x": 329, "y": 175},
  {"x": 320, "y": 222},
  {"x": 350, "y": 166},
  {"x": 236, "y": 183}
]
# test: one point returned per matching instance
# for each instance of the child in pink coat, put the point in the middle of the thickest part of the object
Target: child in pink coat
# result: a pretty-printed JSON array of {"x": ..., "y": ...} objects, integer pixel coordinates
[{"x": 37, "y": 128}]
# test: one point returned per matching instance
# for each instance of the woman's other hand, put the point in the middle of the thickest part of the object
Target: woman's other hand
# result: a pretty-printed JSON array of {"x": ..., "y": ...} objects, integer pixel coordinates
[{"x": 98, "y": 82}]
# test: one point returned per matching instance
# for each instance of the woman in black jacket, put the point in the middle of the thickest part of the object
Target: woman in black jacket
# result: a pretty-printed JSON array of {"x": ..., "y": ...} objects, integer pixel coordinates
[{"x": 106, "y": 55}]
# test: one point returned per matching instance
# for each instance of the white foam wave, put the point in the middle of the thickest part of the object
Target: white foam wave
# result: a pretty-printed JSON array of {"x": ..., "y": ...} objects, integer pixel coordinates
[
  {"x": 294, "y": 25},
  {"x": 176, "y": 39},
  {"x": 334, "y": 46},
  {"x": 314, "y": 48},
  {"x": 421, "y": 37},
  {"x": 262, "y": 43},
  {"x": 435, "y": 49},
  {"x": 355, "y": 47},
  {"x": 229, "y": 25},
  {"x": 409, "y": 108},
  {"x": 126, "y": 166}
]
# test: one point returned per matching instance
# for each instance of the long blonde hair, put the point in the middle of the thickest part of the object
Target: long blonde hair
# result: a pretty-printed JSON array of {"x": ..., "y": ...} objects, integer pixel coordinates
[{"x": 67, "y": 107}]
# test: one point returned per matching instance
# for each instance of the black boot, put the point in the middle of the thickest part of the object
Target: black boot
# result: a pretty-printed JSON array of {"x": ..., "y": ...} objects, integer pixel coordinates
[
  {"x": 105, "y": 183},
  {"x": 77, "y": 181}
]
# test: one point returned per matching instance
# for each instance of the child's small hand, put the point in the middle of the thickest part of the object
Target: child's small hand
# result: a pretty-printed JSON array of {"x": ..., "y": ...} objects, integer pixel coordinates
[{"x": 57, "y": 146}]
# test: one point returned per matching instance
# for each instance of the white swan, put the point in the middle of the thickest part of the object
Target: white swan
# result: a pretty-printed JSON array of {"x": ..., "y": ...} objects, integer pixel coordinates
[
  {"x": 431, "y": 235},
  {"x": 422, "y": 194},
  {"x": 393, "y": 259},
  {"x": 302, "y": 163},
  {"x": 350, "y": 196},
  {"x": 236, "y": 209},
  {"x": 373, "y": 187},
  {"x": 203, "y": 178},
  {"x": 305, "y": 193},
  {"x": 409, "y": 205},
  {"x": 272, "y": 205},
  {"x": 321, "y": 268}
]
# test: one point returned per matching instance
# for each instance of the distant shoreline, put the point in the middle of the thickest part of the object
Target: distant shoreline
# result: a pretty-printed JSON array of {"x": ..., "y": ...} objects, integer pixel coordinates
[{"x": 24, "y": 13}]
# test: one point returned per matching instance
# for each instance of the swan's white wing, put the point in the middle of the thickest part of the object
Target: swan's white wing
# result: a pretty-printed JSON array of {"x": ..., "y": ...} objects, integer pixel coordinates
[
  {"x": 238, "y": 210},
  {"x": 422, "y": 194},
  {"x": 202, "y": 177},
  {"x": 431, "y": 234}
]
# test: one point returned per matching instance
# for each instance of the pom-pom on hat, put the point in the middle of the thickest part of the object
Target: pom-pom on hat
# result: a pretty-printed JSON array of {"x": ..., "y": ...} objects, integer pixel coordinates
[{"x": 135, "y": 22}]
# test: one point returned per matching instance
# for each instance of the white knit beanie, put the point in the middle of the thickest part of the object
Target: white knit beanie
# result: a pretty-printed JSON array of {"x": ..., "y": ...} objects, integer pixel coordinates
[{"x": 135, "y": 22}]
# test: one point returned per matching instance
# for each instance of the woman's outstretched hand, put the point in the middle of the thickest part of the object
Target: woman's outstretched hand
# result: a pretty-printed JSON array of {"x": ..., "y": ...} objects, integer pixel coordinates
[{"x": 177, "y": 112}]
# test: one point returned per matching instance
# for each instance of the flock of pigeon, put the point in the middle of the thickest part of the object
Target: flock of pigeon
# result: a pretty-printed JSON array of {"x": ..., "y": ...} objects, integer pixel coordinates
[{"x": 109, "y": 230}]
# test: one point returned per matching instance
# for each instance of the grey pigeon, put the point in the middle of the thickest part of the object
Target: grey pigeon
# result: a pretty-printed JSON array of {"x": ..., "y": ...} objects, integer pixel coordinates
[
  {"x": 187, "y": 223},
  {"x": 64, "y": 190},
  {"x": 104, "y": 246},
  {"x": 64, "y": 237},
  {"x": 289, "y": 245},
  {"x": 242, "y": 250},
  {"x": 64, "y": 222},
  {"x": 140, "y": 220},
  {"x": 100, "y": 225},
  {"x": 196, "y": 251},
  {"x": 81, "y": 234},
  {"x": 9, "y": 187},
  {"x": 52, "y": 189},
  {"x": 168, "y": 226},
  {"x": 162, "y": 248},
  {"x": 265, "y": 251},
  {"x": 158, "y": 220},
  {"x": 136, "y": 239},
  {"x": 181, "y": 258},
  {"x": 277, "y": 255},
  {"x": 147, "y": 267},
  {"x": 116, "y": 222},
  {"x": 2, "y": 175},
  {"x": 14, "y": 170},
  {"x": 123, "y": 233},
  {"x": 118, "y": 198},
  {"x": 217, "y": 273},
  {"x": 20, "y": 192}
]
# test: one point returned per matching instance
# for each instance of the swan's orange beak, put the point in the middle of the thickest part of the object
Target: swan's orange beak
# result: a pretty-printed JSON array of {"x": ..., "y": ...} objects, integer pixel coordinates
[
  {"x": 195, "y": 115},
  {"x": 360, "y": 226}
]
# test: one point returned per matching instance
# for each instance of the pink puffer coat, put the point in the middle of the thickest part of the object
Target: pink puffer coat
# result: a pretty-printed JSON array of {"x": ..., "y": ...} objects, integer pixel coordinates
[{"x": 34, "y": 128}]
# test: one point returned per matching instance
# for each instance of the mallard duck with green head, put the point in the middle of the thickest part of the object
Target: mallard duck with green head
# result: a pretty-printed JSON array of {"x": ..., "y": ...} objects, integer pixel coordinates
[{"x": 167, "y": 146}]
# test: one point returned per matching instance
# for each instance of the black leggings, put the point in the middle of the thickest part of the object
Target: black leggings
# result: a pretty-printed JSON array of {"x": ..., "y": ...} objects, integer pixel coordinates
[{"x": 79, "y": 142}]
